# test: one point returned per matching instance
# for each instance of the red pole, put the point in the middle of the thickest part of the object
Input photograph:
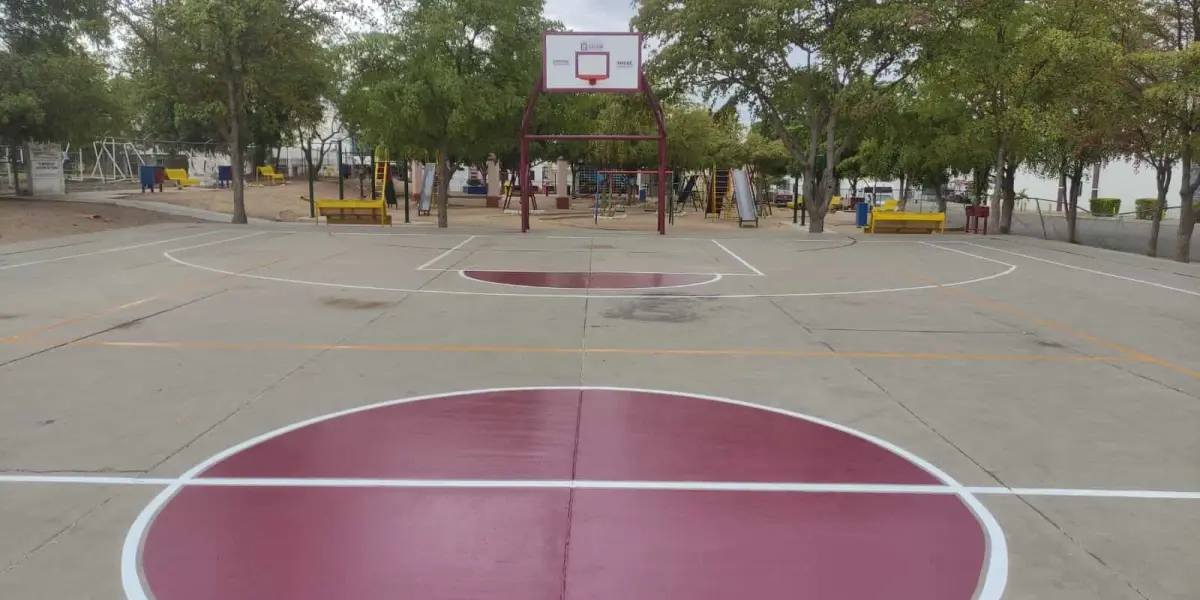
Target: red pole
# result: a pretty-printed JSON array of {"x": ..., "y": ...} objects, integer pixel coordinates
[
  {"x": 662, "y": 186},
  {"x": 524, "y": 180}
]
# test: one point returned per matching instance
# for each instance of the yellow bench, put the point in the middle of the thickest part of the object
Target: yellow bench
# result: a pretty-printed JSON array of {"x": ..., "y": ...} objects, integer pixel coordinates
[
  {"x": 354, "y": 212},
  {"x": 267, "y": 173},
  {"x": 889, "y": 206},
  {"x": 180, "y": 177},
  {"x": 905, "y": 222}
]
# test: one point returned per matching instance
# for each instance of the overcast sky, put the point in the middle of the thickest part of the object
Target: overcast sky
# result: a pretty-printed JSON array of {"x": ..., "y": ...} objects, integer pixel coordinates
[{"x": 591, "y": 15}]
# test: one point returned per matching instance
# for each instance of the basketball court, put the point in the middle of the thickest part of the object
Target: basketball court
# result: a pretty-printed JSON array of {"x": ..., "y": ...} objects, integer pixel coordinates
[
  {"x": 307, "y": 412},
  {"x": 199, "y": 411}
]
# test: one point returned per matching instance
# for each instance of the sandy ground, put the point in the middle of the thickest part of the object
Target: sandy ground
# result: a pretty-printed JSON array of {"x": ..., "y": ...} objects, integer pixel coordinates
[
  {"x": 22, "y": 220},
  {"x": 289, "y": 201}
]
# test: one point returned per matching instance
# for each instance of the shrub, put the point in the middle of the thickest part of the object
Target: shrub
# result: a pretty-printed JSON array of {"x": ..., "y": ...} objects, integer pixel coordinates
[
  {"x": 1145, "y": 208},
  {"x": 1104, "y": 207},
  {"x": 473, "y": 182}
]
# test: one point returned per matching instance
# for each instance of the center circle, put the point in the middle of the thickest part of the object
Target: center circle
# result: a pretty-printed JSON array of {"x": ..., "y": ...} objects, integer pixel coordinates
[
  {"x": 602, "y": 492},
  {"x": 583, "y": 280}
]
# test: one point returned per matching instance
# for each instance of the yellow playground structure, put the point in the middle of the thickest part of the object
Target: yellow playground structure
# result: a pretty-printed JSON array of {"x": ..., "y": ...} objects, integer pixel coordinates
[
  {"x": 371, "y": 211},
  {"x": 268, "y": 173}
]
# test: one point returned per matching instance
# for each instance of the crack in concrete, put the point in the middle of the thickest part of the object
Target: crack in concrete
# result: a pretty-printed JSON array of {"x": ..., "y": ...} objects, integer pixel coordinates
[
  {"x": 55, "y": 536},
  {"x": 121, "y": 325}
]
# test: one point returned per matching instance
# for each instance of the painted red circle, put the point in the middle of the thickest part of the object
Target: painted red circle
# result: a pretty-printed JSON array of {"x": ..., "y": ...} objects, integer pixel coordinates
[
  {"x": 590, "y": 280},
  {"x": 378, "y": 536}
]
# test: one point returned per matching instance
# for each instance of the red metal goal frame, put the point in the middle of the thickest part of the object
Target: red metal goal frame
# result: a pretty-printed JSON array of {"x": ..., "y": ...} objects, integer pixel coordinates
[{"x": 539, "y": 86}]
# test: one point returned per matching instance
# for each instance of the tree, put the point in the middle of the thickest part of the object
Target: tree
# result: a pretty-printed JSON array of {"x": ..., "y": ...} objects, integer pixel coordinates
[
  {"x": 746, "y": 50},
  {"x": 241, "y": 67},
  {"x": 453, "y": 81},
  {"x": 1148, "y": 133},
  {"x": 1171, "y": 70},
  {"x": 51, "y": 88}
]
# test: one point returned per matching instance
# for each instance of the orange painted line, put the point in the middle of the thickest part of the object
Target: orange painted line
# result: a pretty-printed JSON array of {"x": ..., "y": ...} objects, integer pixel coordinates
[
  {"x": 634, "y": 351},
  {"x": 113, "y": 309},
  {"x": 1137, "y": 355}
]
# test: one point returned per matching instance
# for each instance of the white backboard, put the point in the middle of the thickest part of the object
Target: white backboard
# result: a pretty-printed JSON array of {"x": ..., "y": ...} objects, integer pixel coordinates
[{"x": 591, "y": 62}]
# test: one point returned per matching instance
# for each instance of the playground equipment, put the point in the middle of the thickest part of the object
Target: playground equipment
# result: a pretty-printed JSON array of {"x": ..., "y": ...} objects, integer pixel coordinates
[
  {"x": 180, "y": 177},
  {"x": 743, "y": 195},
  {"x": 382, "y": 170},
  {"x": 354, "y": 212},
  {"x": 268, "y": 173},
  {"x": 583, "y": 62},
  {"x": 686, "y": 194},
  {"x": 364, "y": 211},
  {"x": 719, "y": 189},
  {"x": 905, "y": 222}
]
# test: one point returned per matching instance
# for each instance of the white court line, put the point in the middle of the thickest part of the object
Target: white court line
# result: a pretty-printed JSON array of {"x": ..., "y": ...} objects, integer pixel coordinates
[
  {"x": 443, "y": 255},
  {"x": 106, "y": 251},
  {"x": 1093, "y": 271},
  {"x": 350, "y": 286},
  {"x": 692, "y": 486},
  {"x": 232, "y": 239},
  {"x": 991, "y": 587},
  {"x": 991, "y": 260},
  {"x": 582, "y": 484},
  {"x": 739, "y": 259}
]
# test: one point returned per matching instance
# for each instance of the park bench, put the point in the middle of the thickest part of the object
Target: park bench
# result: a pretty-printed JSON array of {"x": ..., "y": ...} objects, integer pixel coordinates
[
  {"x": 180, "y": 177},
  {"x": 354, "y": 212},
  {"x": 905, "y": 222}
]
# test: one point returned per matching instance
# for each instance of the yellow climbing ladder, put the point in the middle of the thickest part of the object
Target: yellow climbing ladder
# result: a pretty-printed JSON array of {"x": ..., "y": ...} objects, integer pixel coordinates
[
  {"x": 719, "y": 192},
  {"x": 382, "y": 171}
]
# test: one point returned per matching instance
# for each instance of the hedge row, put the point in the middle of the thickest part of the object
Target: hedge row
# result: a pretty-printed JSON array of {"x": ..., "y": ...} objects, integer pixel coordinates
[
  {"x": 1105, "y": 207},
  {"x": 1145, "y": 208}
]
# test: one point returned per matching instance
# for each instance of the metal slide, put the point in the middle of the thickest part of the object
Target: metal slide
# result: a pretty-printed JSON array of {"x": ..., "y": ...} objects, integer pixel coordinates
[
  {"x": 430, "y": 171},
  {"x": 747, "y": 211}
]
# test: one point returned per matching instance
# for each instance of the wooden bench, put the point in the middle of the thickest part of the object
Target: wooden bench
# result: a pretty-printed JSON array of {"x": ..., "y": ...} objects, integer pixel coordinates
[
  {"x": 268, "y": 173},
  {"x": 905, "y": 222},
  {"x": 354, "y": 212},
  {"x": 180, "y": 177}
]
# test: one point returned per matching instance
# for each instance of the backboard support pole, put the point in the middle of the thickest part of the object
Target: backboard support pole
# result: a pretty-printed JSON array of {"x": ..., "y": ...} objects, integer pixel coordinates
[{"x": 526, "y": 136}]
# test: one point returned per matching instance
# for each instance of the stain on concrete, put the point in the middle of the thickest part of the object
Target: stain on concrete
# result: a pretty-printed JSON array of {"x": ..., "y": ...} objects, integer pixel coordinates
[
  {"x": 1045, "y": 344},
  {"x": 355, "y": 304},
  {"x": 657, "y": 310},
  {"x": 4, "y": 317}
]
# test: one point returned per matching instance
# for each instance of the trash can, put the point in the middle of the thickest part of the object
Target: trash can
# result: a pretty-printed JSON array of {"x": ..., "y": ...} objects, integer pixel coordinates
[
  {"x": 150, "y": 176},
  {"x": 860, "y": 214},
  {"x": 224, "y": 175}
]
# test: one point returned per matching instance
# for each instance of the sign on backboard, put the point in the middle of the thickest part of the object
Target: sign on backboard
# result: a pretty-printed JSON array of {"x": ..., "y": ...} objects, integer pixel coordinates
[{"x": 591, "y": 62}]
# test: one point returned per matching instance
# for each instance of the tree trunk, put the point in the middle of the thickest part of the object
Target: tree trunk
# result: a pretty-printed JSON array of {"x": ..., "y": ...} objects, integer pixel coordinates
[
  {"x": 979, "y": 185},
  {"x": 941, "y": 198},
  {"x": 994, "y": 203},
  {"x": 810, "y": 197},
  {"x": 444, "y": 184},
  {"x": 1010, "y": 196},
  {"x": 817, "y": 225},
  {"x": 1076, "y": 179},
  {"x": 902, "y": 203},
  {"x": 13, "y": 151},
  {"x": 237, "y": 150},
  {"x": 1188, "y": 182},
  {"x": 1061, "y": 201},
  {"x": 1163, "y": 181}
]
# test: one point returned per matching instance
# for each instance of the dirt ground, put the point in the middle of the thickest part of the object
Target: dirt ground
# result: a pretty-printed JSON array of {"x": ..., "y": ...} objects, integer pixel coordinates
[
  {"x": 289, "y": 201},
  {"x": 22, "y": 220}
]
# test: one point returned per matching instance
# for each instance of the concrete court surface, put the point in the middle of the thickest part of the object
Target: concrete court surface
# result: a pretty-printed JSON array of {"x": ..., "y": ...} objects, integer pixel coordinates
[{"x": 203, "y": 411}]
